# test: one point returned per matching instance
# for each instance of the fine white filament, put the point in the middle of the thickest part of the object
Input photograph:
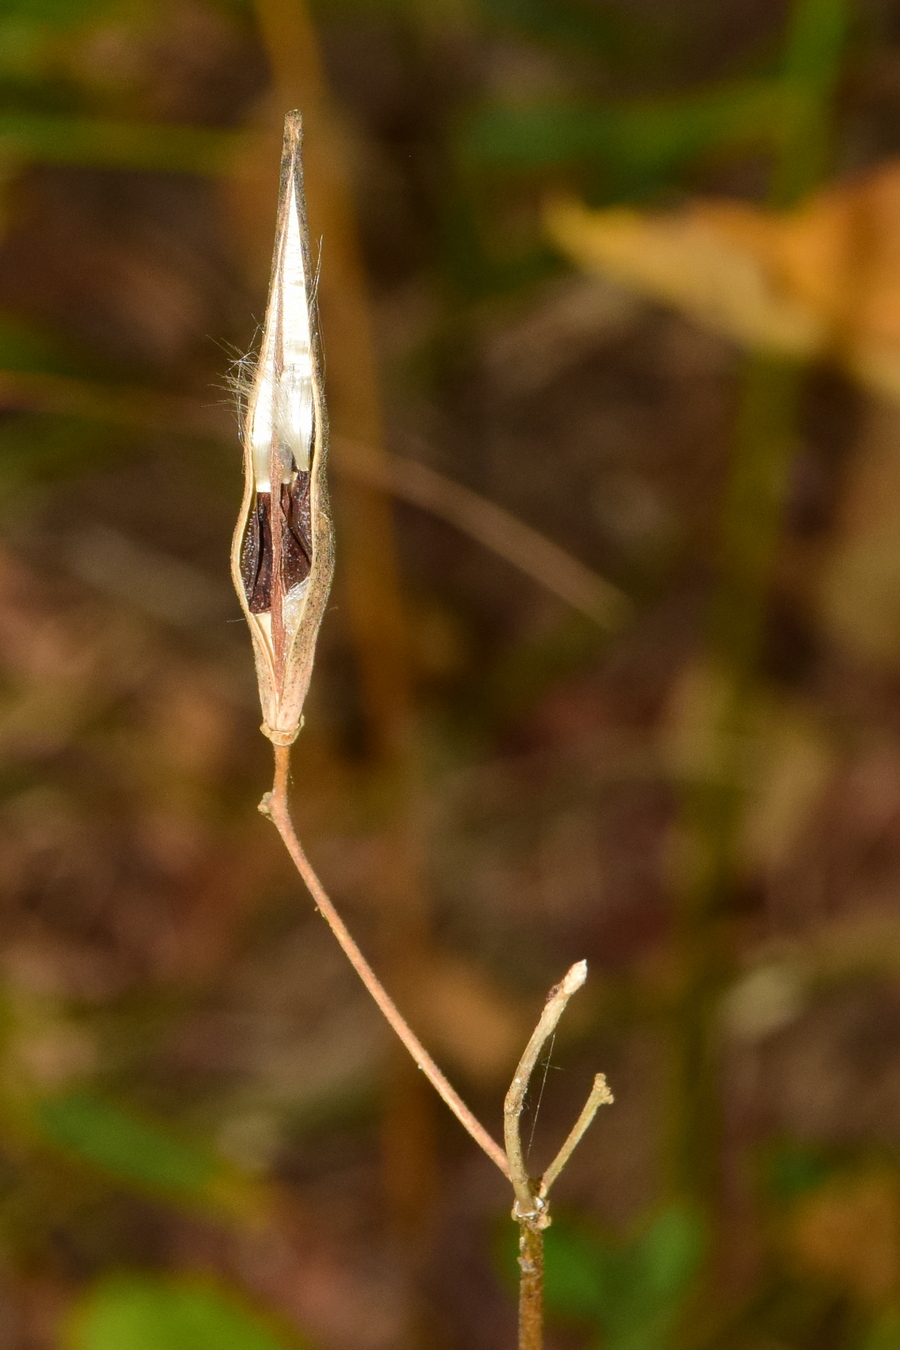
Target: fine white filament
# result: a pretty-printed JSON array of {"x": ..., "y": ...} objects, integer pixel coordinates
[{"x": 281, "y": 404}]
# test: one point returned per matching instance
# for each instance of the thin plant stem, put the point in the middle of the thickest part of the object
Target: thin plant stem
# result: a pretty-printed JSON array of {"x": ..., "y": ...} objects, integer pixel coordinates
[
  {"x": 275, "y": 805},
  {"x": 531, "y": 1288},
  {"x": 493, "y": 527},
  {"x": 599, "y": 1095}
]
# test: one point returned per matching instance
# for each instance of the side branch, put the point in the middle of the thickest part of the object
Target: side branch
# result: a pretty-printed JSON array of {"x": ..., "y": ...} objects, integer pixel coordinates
[
  {"x": 599, "y": 1095},
  {"x": 275, "y": 806}
]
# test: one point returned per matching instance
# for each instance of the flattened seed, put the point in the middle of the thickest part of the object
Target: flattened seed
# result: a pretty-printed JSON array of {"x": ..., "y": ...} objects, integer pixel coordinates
[
  {"x": 256, "y": 556},
  {"x": 297, "y": 547}
]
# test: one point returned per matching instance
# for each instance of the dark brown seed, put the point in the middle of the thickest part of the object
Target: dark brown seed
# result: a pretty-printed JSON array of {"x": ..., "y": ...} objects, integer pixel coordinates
[
  {"x": 297, "y": 545},
  {"x": 256, "y": 556}
]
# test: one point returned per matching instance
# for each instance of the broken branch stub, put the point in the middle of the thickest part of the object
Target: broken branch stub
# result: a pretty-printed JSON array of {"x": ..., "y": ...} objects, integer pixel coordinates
[{"x": 282, "y": 555}]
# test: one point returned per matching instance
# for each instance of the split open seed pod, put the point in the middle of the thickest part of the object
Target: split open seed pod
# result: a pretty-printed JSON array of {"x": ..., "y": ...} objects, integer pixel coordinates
[{"x": 282, "y": 556}]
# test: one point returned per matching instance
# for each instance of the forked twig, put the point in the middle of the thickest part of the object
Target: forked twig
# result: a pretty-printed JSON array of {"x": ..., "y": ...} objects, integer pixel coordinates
[{"x": 531, "y": 1210}]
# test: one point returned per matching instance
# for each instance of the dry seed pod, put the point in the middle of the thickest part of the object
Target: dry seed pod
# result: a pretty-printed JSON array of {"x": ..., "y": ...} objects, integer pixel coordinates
[{"x": 282, "y": 554}]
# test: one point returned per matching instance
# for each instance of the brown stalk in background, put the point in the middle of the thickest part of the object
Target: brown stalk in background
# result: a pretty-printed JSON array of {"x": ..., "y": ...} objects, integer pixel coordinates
[{"x": 282, "y": 564}]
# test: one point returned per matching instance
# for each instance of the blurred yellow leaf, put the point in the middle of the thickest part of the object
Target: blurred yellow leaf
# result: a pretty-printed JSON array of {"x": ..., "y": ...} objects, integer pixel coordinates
[
  {"x": 794, "y": 764},
  {"x": 849, "y": 1231},
  {"x": 859, "y": 945},
  {"x": 819, "y": 280}
]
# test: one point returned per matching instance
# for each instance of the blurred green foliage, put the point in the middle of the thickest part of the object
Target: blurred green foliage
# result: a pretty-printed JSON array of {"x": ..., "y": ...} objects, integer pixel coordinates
[
  {"x": 48, "y": 96},
  {"x": 630, "y": 1291},
  {"x": 127, "y": 1147},
  {"x": 62, "y": 139},
  {"x": 146, "y": 1313},
  {"x": 640, "y": 148},
  {"x": 603, "y": 31},
  {"x": 622, "y": 150},
  {"x": 793, "y": 1170},
  {"x": 884, "y": 1334}
]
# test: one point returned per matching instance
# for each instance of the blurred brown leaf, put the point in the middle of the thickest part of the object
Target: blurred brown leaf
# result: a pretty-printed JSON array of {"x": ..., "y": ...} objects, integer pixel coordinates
[
  {"x": 471, "y": 1019},
  {"x": 820, "y": 280}
]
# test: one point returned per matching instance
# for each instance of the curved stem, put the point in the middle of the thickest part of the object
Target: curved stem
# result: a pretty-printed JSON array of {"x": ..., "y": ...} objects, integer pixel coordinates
[{"x": 275, "y": 805}]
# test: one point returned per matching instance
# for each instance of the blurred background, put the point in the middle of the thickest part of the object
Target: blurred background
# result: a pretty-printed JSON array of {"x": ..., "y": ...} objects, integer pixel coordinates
[{"x": 610, "y": 292}]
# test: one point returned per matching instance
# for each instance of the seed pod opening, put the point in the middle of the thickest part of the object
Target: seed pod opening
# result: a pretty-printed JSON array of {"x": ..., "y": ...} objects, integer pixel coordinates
[{"x": 282, "y": 554}]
